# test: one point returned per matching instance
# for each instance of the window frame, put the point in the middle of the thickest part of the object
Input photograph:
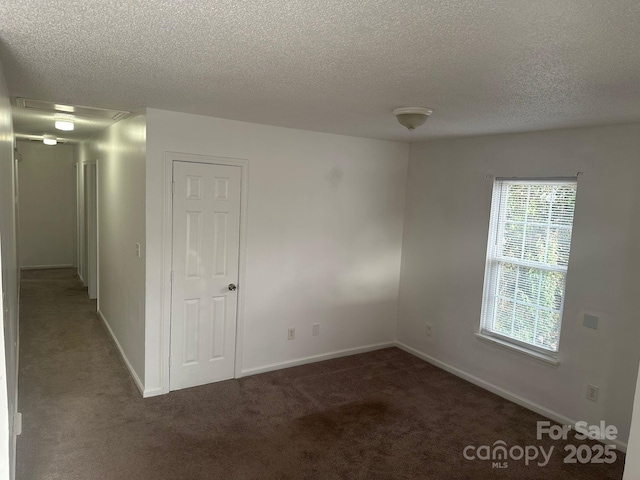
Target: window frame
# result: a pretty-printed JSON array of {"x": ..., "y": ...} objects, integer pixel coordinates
[{"x": 487, "y": 315}]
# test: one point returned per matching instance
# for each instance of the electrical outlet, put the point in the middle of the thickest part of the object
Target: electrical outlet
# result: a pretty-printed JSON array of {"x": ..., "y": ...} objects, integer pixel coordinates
[
  {"x": 138, "y": 250},
  {"x": 316, "y": 329},
  {"x": 592, "y": 393},
  {"x": 291, "y": 334},
  {"x": 428, "y": 330}
]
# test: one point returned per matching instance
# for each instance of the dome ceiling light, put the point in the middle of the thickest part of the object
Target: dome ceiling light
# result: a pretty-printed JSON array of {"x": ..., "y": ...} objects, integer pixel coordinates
[
  {"x": 64, "y": 121},
  {"x": 412, "y": 117},
  {"x": 49, "y": 140}
]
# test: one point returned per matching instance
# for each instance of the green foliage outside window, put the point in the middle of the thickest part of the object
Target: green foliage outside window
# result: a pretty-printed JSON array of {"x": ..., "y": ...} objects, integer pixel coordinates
[{"x": 534, "y": 237}]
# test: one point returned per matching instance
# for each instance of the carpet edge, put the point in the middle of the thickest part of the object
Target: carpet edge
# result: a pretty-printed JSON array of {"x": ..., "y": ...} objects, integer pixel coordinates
[
  {"x": 316, "y": 358},
  {"x": 132, "y": 372},
  {"x": 501, "y": 392}
]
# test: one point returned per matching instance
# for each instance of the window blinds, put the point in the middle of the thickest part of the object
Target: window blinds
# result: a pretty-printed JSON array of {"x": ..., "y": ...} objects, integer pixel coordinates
[{"x": 527, "y": 258}]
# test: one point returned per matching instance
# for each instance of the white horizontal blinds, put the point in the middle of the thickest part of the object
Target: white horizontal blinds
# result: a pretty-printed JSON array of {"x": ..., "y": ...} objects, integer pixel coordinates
[{"x": 527, "y": 259}]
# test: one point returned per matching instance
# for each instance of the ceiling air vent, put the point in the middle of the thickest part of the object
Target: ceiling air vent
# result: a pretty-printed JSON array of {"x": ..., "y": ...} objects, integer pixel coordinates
[{"x": 43, "y": 105}]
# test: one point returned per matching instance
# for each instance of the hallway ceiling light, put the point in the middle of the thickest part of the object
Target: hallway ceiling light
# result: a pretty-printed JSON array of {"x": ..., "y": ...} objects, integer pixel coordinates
[
  {"x": 64, "y": 121},
  {"x": 65, "y": 125},
  {"x": 49, "y": 140},
  {"x": 412, "y": 117}
]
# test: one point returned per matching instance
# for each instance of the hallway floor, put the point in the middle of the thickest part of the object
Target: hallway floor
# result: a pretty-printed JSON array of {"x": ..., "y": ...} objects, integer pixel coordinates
[{"x": 380, "y": 415}]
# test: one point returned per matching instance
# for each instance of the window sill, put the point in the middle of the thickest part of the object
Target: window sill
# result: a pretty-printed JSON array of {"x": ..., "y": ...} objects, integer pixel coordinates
[{"x": 540, "y": 357}]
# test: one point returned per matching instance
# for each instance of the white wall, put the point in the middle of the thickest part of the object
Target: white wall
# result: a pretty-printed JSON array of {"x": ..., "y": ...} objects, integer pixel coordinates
[
  {"x": 632, "y": 460},
  {"x": 47, "y": 205},
  {"x": 119, "y": 152},
  {"x": 445, "y": 240},
  {"x": 324, "y": 235},
  {"x": 9, "y": 286}
]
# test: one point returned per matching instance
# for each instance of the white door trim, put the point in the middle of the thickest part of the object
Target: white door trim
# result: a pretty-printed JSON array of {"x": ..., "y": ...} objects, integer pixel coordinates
[
  {"x": 92, "y": 231},
  {"x": 167, "y": 240}
]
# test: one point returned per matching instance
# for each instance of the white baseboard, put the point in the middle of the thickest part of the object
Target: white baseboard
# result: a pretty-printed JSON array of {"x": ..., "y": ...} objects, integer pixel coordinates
[
  {"x": 316, "y": 358},
  {"x": 133, "y": 373},
  {"x": 523, "y": 402},
  {"x": 534, "y": 407},
  {"x": 152, "y": 392},
  {"x": 44, "y": 267}
]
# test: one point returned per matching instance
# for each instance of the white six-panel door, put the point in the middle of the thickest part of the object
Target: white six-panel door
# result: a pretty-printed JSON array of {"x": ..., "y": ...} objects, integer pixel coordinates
[{"x": 206, "y": 232}]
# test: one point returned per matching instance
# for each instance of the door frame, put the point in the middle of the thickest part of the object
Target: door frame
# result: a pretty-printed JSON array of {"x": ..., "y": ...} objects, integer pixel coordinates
[
  {"x": 88, "y": 238},
  {"x": 92, "y": 247},
  {"x": 167, "y": 256}
]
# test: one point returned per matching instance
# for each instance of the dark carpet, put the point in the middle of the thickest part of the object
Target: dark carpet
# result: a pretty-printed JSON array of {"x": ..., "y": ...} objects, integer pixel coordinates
[{"x": 379, "y": 415}]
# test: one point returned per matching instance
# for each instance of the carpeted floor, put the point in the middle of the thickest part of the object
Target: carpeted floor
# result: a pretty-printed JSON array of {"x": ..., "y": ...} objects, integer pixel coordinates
[{"x": 379, "y": 415}]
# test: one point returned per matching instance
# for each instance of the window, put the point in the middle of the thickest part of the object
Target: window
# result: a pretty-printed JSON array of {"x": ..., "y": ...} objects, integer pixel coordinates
[{"x": 527, "y": 258}]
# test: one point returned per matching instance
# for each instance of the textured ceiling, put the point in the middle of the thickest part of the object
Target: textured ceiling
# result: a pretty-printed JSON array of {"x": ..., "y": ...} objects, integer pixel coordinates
[{"x": 341, "y": 66}]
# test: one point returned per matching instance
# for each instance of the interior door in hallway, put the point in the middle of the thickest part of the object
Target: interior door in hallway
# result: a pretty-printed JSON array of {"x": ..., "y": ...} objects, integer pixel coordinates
[{"x": 206, "y": 232}]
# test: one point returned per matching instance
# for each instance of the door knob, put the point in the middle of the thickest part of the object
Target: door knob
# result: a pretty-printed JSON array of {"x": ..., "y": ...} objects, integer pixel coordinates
[{"x": 232, "y": 287}]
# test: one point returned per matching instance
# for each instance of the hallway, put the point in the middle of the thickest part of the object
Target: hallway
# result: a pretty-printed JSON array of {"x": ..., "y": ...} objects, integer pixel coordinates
[
  {"x": 75, "y": 392},
  {"x": 379, "y": 415}
]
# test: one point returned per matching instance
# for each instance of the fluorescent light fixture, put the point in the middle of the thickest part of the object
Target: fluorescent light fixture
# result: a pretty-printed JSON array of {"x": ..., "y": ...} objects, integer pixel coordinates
[
  {"x": 64, "y": 125},
  {"x": 49, "y": 140}
]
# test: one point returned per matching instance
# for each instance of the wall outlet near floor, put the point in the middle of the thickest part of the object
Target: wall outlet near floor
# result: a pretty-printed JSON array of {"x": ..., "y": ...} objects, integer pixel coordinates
[
  {"x": 428, "y": 329},
  {"x": 291, "y": 334},
  {"x": 592, "y": 393},
  {"x": 316, "y": 330}
]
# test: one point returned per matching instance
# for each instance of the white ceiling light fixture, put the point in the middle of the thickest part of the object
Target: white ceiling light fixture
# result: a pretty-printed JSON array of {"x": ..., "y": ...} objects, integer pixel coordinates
[
  {"x": 64, "y": 122},
  {"x": 49, "y": 140},
  {"x": 64, "y": 125},
  {"x": 412, "y": 117}
]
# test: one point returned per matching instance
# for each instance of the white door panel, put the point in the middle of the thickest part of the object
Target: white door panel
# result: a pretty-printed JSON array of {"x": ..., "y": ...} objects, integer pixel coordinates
[{"x": 206, "y": 232}]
